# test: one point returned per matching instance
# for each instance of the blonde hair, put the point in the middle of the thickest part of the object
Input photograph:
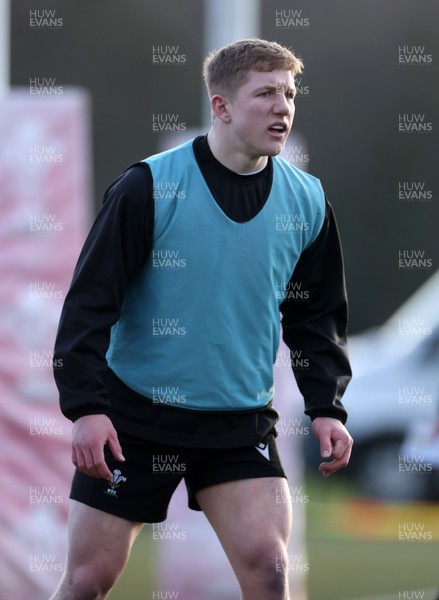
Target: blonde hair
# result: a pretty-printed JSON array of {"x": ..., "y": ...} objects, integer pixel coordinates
[{"x": 226, "y": 69}]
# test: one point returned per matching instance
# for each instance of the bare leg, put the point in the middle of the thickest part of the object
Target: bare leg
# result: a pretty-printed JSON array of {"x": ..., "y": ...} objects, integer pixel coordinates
[
  {"x": 99, "y": 546},
  {"x": 254, "y": 530}
]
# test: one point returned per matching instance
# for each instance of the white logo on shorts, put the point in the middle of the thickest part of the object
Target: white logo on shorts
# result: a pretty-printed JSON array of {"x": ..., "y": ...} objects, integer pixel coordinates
[
  {"x": 264, "y": 450},
  {"x": 115, "y": 482}
]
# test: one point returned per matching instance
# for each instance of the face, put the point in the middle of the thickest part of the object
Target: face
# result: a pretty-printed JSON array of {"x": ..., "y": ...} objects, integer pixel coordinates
[{"x": 261, "y": 113}]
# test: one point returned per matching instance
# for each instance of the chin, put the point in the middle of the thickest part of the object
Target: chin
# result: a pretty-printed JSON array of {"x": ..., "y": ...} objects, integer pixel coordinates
[{"x": 276, "y": 149}]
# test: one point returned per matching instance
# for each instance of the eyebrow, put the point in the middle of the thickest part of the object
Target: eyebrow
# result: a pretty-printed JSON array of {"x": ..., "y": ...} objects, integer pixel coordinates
[{"x": 275, "y": 88}]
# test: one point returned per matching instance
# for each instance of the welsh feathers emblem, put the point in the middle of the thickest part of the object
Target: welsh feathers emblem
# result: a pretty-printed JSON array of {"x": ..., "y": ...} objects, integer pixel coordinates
[{"x": 115, "y": 482}]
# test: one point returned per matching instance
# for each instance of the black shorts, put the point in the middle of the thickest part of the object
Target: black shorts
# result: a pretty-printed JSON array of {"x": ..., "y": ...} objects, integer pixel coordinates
[{"x": 143, "y": 485}]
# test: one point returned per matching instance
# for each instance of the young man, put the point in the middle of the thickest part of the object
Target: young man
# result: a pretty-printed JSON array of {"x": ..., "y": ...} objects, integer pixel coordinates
[{"x": 170, "y": 329}]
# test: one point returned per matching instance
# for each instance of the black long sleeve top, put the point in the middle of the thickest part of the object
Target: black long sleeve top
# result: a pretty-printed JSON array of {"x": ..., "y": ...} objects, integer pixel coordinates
[{"x": 314, "y": 315}]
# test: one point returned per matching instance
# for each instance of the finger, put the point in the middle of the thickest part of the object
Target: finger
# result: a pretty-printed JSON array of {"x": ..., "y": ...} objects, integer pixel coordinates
[
  {"x": 81, "y": 464},
  {"x": 86, "y": 463},
  {"x": 328, "y": 468},
  {"x": 100, "y": 467},
  {"x": 339, "y": 448},
  {"x": 74, "y": 457},
  {"x": 115, "y": 447},
  {"x": 325, "y": 445}
]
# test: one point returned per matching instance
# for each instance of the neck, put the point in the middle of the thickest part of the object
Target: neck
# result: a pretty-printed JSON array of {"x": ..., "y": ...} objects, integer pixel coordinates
[{"x": 230, "y": 156}]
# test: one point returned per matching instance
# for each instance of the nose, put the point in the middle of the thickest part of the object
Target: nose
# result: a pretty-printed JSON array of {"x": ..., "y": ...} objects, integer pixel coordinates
[{"x": 282, "y": 105}]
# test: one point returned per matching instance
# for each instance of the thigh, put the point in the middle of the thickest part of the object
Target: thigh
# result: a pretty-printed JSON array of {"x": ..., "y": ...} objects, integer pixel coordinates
[
  {"x": 98, "y": 542},
  {"x": 142, "y": 486},
  {"x": 247, "y": 516},
  {"x": 233, "y": 464}
]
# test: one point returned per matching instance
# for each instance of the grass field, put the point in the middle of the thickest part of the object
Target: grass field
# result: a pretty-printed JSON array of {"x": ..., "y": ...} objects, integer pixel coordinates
[
  {"x": 361, "y": 548},
  {"x": 357, "y": 549}
]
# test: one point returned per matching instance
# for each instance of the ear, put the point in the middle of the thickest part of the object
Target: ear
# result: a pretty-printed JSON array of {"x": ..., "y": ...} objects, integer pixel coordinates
[{"x": 220, "y": 107}]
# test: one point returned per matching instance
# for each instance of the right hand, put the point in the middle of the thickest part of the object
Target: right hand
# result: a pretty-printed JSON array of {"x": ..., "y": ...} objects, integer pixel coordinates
[{"x": 89, "y": 436}]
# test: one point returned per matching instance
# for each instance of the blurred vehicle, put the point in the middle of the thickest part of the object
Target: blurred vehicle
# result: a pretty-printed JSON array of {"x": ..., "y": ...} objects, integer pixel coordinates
[
  {"x": 393, "y": 402},
  {"x": 388, "y": 407}
]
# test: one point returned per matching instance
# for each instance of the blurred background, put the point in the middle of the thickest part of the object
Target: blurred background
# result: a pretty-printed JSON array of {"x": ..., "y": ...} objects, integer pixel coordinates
[{"x": 88, "y": 88}]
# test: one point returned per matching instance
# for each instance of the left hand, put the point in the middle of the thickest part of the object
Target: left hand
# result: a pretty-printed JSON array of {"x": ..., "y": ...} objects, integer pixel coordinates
[{"x": 335, "y": 443}]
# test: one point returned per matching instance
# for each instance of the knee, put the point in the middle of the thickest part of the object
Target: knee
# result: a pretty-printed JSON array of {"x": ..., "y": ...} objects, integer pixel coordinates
[
  {"x": 88, "y": 584},
  {"x": 267, "y": 567}
]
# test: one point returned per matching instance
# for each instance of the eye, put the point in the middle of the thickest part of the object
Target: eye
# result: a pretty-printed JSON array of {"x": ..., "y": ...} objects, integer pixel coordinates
[{"x": 265, "y": 94}]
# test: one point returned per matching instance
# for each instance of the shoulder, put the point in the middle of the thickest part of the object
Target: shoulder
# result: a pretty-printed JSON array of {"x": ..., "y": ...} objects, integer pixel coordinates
[
  {"x": 304, "y": 190},
  {"x": 297, "y": 176},
  {"x": 132, "y": 187},
  {"x": 132, "y": 179},
  {"x": 176, "y": 153},
  {"x": 305, "y": 187}
]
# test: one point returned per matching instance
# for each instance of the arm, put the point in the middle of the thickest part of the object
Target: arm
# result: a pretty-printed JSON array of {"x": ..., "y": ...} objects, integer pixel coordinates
[
  {"x": 117, "y": 245},
  {"x": 315, "y": 326}
]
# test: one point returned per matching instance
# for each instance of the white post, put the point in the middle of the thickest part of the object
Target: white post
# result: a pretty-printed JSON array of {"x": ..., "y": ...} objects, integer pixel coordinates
[
  {"x": 226, "y": 21},
  {"x": 4, "y": 46}
]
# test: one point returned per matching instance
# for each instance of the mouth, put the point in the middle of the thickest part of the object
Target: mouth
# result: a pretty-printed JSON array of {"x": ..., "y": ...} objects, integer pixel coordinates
[{"x": 278, "y": 129}]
